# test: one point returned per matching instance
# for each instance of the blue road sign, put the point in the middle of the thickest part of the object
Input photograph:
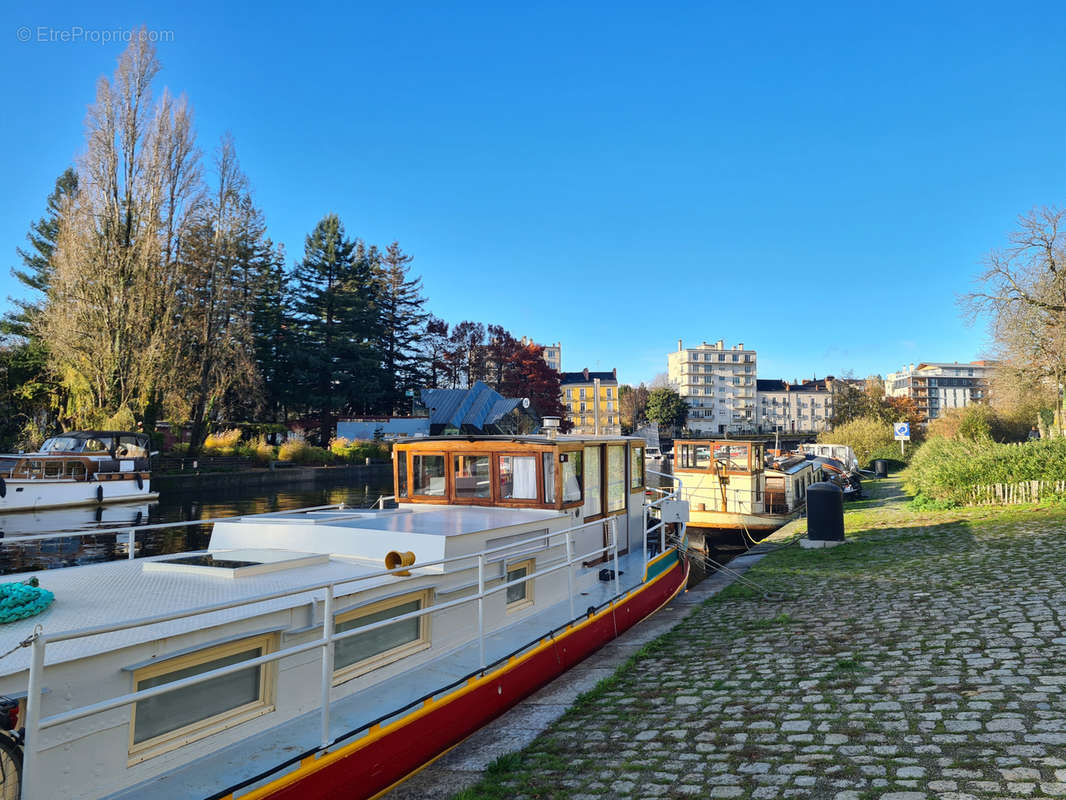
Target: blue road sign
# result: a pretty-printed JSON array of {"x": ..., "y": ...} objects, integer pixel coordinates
[{"x": 902, "y": 431}]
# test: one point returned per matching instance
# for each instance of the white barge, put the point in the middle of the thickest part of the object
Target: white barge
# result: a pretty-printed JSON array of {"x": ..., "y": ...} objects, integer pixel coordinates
[{"x": 332, "y": 652}]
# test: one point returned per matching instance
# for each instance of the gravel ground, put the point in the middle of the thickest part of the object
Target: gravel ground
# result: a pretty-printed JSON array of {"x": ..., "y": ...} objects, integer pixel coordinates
[{"x": 924, "y": 659}]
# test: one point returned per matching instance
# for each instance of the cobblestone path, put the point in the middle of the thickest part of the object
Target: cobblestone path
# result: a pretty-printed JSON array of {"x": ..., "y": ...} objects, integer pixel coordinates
[{"x": 925, "y": 659}]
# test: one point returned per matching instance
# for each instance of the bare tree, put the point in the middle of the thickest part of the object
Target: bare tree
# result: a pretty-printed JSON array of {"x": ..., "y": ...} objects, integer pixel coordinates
[
  {"x": 109, "y": 313},
  {"x": 218, "y": 292},
  {"x": 1023, "y": 291}
]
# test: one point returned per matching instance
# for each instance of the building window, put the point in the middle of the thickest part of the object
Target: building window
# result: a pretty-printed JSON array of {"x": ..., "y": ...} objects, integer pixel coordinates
[
  {"x": 549, "y": 476},
  {"x": 428, "y": 476},
  {"x": 518, "y": 477},
  {"x": 582, "y": 392},
  {"x": 362, "y": 652},
  {"x": 170, "y": 720},
  {"x": 520, "y": 595},
  {"x": 472, "y": 477}
]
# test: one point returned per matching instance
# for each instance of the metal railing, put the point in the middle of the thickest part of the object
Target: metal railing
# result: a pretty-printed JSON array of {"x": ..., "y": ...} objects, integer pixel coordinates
[
  {"x": 657, "y": 503},
  {"x": 35, "y": 723}
]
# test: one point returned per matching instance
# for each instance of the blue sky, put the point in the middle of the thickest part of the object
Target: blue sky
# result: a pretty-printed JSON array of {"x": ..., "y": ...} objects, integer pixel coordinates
[{"x": 818, "y": 181}]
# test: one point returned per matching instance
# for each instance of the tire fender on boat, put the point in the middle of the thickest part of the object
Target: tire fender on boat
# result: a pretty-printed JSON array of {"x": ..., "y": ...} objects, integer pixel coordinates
[
  {"x": 140, "y": 481},
  {"x": 3, "y": 488},
  {"x": 99, "y": 494}
]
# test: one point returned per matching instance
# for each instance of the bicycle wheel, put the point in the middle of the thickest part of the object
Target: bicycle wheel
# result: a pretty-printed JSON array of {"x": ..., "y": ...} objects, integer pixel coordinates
[{"x": 10, "y": 768}]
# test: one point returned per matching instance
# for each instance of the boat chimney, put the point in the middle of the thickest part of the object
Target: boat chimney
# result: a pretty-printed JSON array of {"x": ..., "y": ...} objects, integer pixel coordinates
[{"x": 550, "y": 426}]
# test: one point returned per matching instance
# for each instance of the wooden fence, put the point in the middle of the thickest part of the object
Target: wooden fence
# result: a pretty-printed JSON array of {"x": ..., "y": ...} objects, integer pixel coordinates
[{"x": 1007, "y": 494}]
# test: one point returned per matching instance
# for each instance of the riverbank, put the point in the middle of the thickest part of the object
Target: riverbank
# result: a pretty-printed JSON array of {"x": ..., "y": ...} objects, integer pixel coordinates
[
  {"x": 925, "y": 659},
  {"x": 240, "y": 480}
]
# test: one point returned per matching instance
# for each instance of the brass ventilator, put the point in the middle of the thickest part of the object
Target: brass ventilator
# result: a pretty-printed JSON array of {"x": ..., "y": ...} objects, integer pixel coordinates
[{"x": 394, "y": 559}]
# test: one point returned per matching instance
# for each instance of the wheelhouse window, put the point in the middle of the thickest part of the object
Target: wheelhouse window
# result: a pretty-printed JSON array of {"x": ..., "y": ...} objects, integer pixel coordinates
[
  {"x": 362, "y": 652},
  {"x": 76, "y": 470},
  {"x": 616, "y": 477},
  {"x": 592, "y": 483},
  {"x": 636, "y": 467},
  {"x": 428, "y": 473},
  {"x": 519, "y": 595},
  {"x": 473, "y": 478},
  {"x": 401, "y": 474},
  {"x": 573, "y": 477},
  {"x": 549, "y": 476},
  {"x": 174, "y": 718},
  {"x": 53, "y": 469},
  {"x": 518, "y": 477}
]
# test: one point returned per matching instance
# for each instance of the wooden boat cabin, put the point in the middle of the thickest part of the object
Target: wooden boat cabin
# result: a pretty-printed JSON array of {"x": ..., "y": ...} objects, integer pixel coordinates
[
  {"x": 588, "y": 478},
  {"x": 733, "y": 484},
  {"x": 330, "y": 652}
]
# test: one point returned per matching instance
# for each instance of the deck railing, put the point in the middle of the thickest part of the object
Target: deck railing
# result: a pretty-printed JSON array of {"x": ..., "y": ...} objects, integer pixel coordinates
[
  {"x": 673, "y": 493},
  {"x": 35, "y": 723}
]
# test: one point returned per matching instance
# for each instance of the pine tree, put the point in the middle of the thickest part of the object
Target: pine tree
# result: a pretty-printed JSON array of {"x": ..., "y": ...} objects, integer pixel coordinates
[
  {"x": 402, "y": 319},
  {"x": 338, "y": 331},
  {"x": 37, "y": 269}
]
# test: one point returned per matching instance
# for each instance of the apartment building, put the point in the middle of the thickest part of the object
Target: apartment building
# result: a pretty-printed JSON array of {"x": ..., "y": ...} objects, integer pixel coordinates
[
  {"x": 588, "y": 394},
  {"x": 718, "y": 383},
  {"x": 804, "y": 407},
  {"x": 937, "y": 387},
  {"x": 553, "y": 353}
]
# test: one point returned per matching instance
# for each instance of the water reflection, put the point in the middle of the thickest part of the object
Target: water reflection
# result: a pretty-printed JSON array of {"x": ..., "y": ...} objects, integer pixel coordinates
[{"x": 171, "y": 507}]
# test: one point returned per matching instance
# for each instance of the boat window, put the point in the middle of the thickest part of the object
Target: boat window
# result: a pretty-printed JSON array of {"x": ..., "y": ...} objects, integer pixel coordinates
[
  {"x": 428, "y": 474},
  {"x": 472, "y": 477},
  {"x": 636, "y": 467},
  {"x": 549, "y": 477},
  {"x": 362, "y": 652},
  {"x": 60, "y": 444},
  {"x": 592, "y": 483},
  {"x": 616, "y": 477},
  {"x": 519, "y": 595},
  {"x": 35, "y": 468},
  {"x": 401, "y": 474},
  {"x": 53, "y": 469},
  {"x": 702, "y": 456},
  {"x": 518, "y": 477},
  {"x": 573, "y": 477},
  {"x": 131, "y": 447},
  {"x": 94, "y": 446},
  {"x": 168, "y": 720},
  {"x": 76, "y": 470}
]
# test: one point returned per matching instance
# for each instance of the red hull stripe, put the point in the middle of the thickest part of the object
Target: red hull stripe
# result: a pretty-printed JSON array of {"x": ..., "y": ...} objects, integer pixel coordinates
[{"x": 386, "y": 756}]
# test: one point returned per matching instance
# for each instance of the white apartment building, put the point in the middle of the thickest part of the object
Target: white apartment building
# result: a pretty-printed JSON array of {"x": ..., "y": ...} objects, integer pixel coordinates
[
  {"x": 718, "y": 383},
  {"x": 937, "y": 387},
  {"x": 794, "y": 407}
]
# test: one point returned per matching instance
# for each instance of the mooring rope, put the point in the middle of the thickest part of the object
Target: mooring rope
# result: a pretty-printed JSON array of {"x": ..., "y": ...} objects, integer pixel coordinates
[{"x": 22, "y": 600}]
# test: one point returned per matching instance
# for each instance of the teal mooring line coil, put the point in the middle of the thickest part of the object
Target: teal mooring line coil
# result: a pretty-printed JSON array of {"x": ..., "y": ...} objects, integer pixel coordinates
[{"x": 22, "y": 600}]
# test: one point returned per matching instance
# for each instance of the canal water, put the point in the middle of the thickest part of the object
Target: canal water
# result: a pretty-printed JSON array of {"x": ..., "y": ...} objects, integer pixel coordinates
[{"x": 170, "y": 507}]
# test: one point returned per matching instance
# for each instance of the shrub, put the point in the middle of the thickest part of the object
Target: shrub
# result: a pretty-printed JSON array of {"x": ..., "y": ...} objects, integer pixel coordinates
[
  {"x": 223, "y": 443},
  {"x": 865, "y": 435},
  {"x": 298, "y": 451},
  {"x": 979, "y": 421},
  {"x": 946, "y": 470},
  {"x": 121, "y": 420},
  {"x": 356, "y": 451}
]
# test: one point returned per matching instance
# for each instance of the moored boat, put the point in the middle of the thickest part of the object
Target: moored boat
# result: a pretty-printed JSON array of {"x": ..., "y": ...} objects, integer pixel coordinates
[
  {"x": 78, "y": 468},
  {"x": 730, "y": 484},
  {"x": 331, "y": 652}
]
